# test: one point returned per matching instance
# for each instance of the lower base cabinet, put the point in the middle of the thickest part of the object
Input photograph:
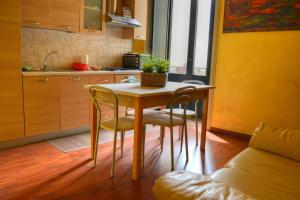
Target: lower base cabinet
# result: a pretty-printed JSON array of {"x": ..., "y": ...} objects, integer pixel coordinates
[
  {"x": 60, "y": 103},
  {"x": 74, "y": 102},
  {"x": 41, "y": 105}
]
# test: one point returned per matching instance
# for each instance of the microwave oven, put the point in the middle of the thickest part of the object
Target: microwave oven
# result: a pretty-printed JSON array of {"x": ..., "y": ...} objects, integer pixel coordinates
[{"x": 134, "y": 61}]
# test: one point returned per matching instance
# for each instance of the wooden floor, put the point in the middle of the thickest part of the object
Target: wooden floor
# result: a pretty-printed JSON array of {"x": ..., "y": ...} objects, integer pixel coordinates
[{"x": 40, "y": 171}]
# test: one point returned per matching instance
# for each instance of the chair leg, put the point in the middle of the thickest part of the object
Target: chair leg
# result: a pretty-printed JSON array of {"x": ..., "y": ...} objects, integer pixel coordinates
[
  {"x": 122, "y": 142},
  {"x": 196, "y": 123},
  {"x": 186, "y": 142},
  {"x": 172, "y": 148},
  {"x": 162, "y": 136},
  {"x": 96, "y": 145},
  {"x": 181, "y": 141},
  {"x": 143, "y": 147},
  {"x": 114, "y": 155}
]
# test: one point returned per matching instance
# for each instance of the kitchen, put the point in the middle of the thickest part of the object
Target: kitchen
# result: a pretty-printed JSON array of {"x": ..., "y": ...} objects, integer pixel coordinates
[{"x": 66, "y": 32}]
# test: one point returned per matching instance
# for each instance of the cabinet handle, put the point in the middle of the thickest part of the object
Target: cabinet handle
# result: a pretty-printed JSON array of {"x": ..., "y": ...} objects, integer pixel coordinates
[
  {"x": 65, "y": 28},
  {"x": 43, "y": 80},
  {"x": 32, "y": 23},
  {"x": 102, "y": 81},
  {"x": 75, "y": 79}
]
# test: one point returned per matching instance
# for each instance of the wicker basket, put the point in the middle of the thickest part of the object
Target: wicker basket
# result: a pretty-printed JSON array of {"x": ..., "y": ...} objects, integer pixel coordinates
[{"x": 153, "y": 79}]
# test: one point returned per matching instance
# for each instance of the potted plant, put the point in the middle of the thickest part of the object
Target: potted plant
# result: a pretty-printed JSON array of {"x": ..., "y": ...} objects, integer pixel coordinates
[{"x": 154, "y": 72}]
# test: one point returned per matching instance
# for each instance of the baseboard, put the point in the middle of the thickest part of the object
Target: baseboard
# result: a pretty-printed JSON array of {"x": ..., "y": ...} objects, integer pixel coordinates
[
  {"x": 231, "y": 133},
  {"x": 40, "y": 138}
]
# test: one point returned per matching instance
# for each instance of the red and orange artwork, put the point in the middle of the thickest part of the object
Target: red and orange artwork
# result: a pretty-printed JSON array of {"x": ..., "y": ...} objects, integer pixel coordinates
[{"x": 261, "y": 15}]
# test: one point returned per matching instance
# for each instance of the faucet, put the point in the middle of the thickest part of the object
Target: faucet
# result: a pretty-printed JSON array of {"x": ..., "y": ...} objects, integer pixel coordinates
[{"x": 45, "y": 64}]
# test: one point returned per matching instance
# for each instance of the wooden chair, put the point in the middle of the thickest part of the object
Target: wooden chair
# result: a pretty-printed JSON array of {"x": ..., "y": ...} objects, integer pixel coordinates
[
  {"x": 189, "y": 113},
  {"x": 181, "y": 96},
  {"x": 103, "y": 97}
]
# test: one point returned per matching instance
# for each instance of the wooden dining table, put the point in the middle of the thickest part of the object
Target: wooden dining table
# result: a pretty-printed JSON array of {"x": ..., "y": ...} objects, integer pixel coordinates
[{"x": 133, "y": 95}]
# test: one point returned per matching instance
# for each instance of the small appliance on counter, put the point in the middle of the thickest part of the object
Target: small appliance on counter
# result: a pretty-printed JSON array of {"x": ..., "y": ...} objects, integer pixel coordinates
[
  {"x": 80, "y": 66},
  {"x": 133, "y": 61},
  {"x": 83, "y": 65}
]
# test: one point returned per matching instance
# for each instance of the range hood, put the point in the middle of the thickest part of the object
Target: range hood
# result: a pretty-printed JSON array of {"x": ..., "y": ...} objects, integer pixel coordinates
[{"x": 120, "y": 21}]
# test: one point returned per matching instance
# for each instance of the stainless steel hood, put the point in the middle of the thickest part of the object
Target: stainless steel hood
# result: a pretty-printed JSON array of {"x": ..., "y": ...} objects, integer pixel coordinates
[{"x": 120, "y": 21}]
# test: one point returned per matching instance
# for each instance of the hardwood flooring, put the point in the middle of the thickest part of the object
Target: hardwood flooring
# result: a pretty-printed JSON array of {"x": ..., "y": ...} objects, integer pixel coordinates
[{"x": 40, "y": 171}]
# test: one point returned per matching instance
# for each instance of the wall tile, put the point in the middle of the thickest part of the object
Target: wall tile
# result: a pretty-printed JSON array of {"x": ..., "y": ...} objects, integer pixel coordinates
[{"x": 105, "y": 50}]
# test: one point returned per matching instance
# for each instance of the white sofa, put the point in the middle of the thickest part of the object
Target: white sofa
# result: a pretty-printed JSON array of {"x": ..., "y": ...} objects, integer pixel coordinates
[{"x": 269, "y": 170}]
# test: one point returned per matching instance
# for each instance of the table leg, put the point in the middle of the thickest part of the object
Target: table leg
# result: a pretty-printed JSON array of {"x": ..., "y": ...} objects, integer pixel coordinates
[
  {"x": 204, "y": 121},
  {"x": 137, "y": 146},
  {"x": 93, "y": 124}
]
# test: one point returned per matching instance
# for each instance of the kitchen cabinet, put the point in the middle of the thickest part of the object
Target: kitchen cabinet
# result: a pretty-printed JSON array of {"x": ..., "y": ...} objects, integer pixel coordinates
[
  {"x": 65, "y": 15},
  {"x": 140, "y": 13},
  {"x": 92, "y": 16},
  {"x": 11, "y": 95},
  {"x": 41, "y": 104},
  {"x": 61, "y": 15},
  {"x": 60, "y": 103},
  {"x": 35, "y": 13},
  {"x": 74, "y": 102}
]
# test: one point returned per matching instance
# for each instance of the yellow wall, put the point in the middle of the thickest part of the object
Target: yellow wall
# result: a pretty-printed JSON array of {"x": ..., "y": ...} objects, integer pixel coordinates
[{"x": 257, "y": 79}]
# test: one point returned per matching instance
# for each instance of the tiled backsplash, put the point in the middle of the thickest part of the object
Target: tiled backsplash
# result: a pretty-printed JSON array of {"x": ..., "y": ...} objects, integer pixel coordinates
[{"x": 104, "y": 50}]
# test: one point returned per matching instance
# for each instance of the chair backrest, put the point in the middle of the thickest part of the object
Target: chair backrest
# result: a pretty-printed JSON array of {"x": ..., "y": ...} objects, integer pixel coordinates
[
  {"x": 194, "y": 82},
  {"x": 183, "y": 96},
  {"x": 105, "y": 99}
]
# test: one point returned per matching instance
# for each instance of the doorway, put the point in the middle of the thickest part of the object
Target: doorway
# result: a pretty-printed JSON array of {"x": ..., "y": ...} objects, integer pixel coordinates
[
  {"x": 190, "y": 39},
  {"x": 183, "y": 33}
]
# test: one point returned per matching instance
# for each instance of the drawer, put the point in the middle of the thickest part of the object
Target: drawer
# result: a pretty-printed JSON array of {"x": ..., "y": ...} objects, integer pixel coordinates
[{"x": 102, "y": 79}]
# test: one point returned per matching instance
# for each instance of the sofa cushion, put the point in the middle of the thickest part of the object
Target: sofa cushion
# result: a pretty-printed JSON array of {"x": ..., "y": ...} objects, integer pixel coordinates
[
  {"x": 282, "y": 141},
  {"x": 262, "y": 175},
  {"x": 187, "y": 186}
]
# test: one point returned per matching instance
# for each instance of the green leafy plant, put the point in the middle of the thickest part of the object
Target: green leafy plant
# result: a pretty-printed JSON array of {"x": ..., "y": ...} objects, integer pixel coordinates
[
  {"x": 148, "y": 65},
  {"x": 153, "y": 64},
  {"x": 162, "y": 66}
]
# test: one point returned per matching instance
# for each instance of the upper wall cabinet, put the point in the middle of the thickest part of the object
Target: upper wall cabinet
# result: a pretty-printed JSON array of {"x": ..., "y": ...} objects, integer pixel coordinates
[
  {"x": 65, "y": 15},
  {"x": 139, "y": 10},
  {"x": 92, "y": 16},
  {"x": 61, "y": 15},
  {"x": 140, "y": 14},
  {"x": 35, "y": 13}
]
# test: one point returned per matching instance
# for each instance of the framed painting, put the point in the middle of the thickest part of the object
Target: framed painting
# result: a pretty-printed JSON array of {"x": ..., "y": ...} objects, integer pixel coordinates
[{"x": 261, "y": 15}]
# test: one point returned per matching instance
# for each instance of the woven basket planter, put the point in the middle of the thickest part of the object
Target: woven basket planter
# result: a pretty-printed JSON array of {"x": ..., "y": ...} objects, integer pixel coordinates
[{"x": 153, "y": 79}]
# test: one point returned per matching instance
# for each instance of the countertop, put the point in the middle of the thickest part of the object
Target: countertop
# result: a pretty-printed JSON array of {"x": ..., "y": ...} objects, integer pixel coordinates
[{"x": 74, "y": 73}]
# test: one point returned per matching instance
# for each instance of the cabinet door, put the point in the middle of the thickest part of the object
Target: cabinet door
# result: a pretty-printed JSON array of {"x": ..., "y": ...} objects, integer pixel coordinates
[
  {"x": 35, "y": 13},
  {"x": 64, "y": 15},
  {"x": 11, "y": 94},
  {"x": 74, "y": 101},
  {"x": 140, "y": 14},
  {"x": 41, "y": 105},
  {"x": 92, "y": 16}
]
